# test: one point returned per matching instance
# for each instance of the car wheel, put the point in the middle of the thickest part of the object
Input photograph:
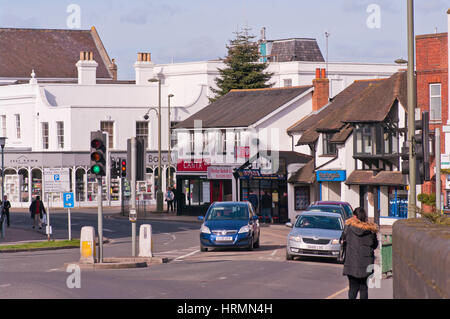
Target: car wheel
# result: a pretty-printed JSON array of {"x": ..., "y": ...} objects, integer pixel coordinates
[
  {"x": 289, "y": 256},
  {"x": 250, "y": 246},
  {"x": 203, "y": 248},
  {"x": 256, "y": 245}
]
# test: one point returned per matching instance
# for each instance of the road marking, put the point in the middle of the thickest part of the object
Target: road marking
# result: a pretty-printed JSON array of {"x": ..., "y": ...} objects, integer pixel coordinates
[
  {"x": 5, "y": 285},
  {"x": 54, "y": 269},
  {"x": 187, "y": 255},
  {"x": 274, "y": 252},
  {"x": 337, "y": 293},
  {"x": 108, "y": 230}
]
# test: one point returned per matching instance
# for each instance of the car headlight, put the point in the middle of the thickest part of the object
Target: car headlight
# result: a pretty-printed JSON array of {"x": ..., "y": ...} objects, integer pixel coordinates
[
  {"x": 295, "y": 238},
  {"x": 335, "y": 241},
  {"x": 244, "y": 229},
  {"x": 205, "y": 230}
]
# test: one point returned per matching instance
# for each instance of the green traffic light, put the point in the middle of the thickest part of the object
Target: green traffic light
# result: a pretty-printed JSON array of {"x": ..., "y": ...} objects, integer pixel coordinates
[{"x": 96, "y": 169}]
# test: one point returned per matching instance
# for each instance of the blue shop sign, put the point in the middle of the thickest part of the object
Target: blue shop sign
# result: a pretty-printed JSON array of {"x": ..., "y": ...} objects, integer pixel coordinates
[{"x": 331, "y": 176}]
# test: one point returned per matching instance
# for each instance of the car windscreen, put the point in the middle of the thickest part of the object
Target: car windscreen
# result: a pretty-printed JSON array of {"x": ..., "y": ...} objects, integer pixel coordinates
[
  {"x": 228, "y": 212},
  {"x": 329, "y": 209},
  {"x": 321, "y": 222},
  {"x": 348, "y": 210}
]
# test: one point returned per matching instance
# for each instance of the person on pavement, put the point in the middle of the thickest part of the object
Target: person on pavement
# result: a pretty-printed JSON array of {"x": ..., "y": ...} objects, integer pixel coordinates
[
  {"x": 5, "y": 209},
  {"x": 360, "y": 240},
  {"x": 37, "y": 210},
  {"x": 266, "y": 206},
  {"x": 169, "y": 199},
  {"x": 253, "y": 199}
]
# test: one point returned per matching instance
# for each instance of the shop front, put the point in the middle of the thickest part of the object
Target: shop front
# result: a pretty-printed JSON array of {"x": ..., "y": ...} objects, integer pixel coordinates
[
  {"x": 199, "y": 184},
  {"x": 253, "y": 181}
]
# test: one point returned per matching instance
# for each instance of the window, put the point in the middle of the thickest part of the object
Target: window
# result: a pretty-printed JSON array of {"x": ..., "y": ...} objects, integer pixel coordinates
[
  {"x": 108, "y": 127},
  {"x": 205, "y": 148},
  {"x": 60, "y": 134},
  {"x": 328, "y": 147},
  {"x": 191, "y": 145},
  {"x": 44, "y": 135},
  {"x": 3, "y": 123},
  {"x": 173, "y": 138},
  {"x": 222, "y": 149},
  {"x": 17, "y": 125},
  {"x": 375, "y": 140},
  {"x": 142, "y": 132},
  {"x": 435, "y": 102},
  {"x": 287, "y": 82}
]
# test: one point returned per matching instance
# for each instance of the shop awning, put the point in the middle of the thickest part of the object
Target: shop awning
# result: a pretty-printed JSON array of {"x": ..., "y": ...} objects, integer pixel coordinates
[{"x": 383, "y": 178}]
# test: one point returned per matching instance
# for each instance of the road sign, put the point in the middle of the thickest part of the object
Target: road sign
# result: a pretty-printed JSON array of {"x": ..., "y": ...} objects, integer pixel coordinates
[
  {"x": 56, "y": 180},
  {"x": 68, "y": 199}
]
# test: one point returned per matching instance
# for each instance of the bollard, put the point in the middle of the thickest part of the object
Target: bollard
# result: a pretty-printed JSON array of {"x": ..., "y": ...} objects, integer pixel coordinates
[
  {"x": 87, "y": 245},
  {"x": 145, "y": 241}
]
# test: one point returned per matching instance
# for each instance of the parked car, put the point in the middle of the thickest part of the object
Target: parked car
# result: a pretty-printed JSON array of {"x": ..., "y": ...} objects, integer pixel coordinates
[
  {"x": 348, "y": 208},
  {"x": 331, "y": 209},
  {"x": 229, "y": 224},
  {"x": 315, "y": 233}
]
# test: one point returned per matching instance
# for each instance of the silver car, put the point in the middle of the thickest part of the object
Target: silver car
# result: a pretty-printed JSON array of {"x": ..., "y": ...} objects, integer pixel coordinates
[{"x": 315, "y": 233}]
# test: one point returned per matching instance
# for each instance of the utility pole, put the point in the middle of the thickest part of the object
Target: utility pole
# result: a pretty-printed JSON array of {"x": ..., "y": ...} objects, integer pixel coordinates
[
  {"x": 438, "y": 168},
  {"x": 133, "y": 213},
  {"x": 411, "y": 89}
]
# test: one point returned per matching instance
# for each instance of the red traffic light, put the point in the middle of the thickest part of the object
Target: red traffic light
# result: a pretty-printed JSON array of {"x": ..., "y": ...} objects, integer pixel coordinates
[{"x": 96, "y": 144}]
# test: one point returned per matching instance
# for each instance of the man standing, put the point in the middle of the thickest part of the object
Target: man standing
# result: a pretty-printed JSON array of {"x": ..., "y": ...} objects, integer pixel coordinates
[
  {"x": 266, "y": 206},
  {"x": 253, "y": 199},
  {"x": 169, "y": 199},
  {"x": 5, "y": 209},
  {"x": 37, "y": 210}
]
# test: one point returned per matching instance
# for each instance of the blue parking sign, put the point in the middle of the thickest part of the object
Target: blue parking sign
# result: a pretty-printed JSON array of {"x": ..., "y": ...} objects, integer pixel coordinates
[{"x": 68, "y": 200}]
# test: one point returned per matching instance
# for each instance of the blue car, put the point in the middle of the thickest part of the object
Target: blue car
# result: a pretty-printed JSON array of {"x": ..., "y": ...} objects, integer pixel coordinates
[{"x": 229, "y": 224}]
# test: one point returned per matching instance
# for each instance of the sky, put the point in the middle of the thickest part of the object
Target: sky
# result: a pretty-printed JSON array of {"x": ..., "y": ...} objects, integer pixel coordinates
[{"x": 199, "y": 30}]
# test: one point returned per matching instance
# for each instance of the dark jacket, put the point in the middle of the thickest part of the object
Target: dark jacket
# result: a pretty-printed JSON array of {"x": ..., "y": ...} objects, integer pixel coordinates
[
  {"x": 252, "y": 198},
  {"x": 33, "y": 209},
  {"x": 6, "y": 206},
  {"x": 360, "y": 242},
  {"x": 266, "y": 201}
]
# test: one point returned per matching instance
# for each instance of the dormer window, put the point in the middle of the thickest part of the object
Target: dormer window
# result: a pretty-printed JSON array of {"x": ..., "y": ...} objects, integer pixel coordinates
[{"x": 328, "y": 147}]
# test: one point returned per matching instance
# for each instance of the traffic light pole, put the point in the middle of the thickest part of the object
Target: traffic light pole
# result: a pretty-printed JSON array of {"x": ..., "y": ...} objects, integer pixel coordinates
[
  {"x": 133, "y": 197},
  {"x": 411, "y": 89},
  {"x": 100, "y": 219},
  {"x": 438, "y": 168}
]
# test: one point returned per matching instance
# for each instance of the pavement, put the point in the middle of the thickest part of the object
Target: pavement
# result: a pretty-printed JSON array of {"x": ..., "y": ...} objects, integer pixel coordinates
[{"x": 17, "y": 235}]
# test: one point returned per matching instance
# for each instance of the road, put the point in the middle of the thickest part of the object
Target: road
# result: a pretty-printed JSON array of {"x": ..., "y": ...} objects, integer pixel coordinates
[{"x": 262, "y": 274}]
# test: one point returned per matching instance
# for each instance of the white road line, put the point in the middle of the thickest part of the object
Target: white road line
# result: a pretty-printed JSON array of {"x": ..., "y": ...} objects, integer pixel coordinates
[
  {"x": 5, "y": 285},
  {"x": 187, "y": 255},
  {"x": 108, "y": 230},
  {"x": 274, "y": 252}
]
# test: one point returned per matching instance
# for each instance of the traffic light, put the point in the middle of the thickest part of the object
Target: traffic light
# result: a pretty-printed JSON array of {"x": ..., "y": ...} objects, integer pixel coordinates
[
  {"x": 98, "y": 153},
  {"x": 140, "y": 159},
  {"x": 421, "y": 149},
  {"x": 115, "y": 168},
  {"x": 123, "y": 167}
]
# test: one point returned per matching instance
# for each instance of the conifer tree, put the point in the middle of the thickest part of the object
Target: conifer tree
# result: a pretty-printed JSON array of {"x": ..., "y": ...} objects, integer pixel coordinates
[{"x": 243, "y": 69}]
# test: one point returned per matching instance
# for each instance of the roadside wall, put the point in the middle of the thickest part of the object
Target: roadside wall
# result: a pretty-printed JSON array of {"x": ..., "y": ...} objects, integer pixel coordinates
[{"x": 421, "y": 260}]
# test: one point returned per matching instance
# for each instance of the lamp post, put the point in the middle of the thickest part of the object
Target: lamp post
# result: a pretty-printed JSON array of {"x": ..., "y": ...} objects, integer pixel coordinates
[
  {"x": 170, "y": 140},
  {"x": 159, "y": 193},
  {"x": 2, "y": 144}
]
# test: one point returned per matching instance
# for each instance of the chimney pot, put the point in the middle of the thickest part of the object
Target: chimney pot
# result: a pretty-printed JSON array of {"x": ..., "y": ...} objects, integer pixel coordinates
[
  {"x": 324, "y": 73},
  {"x": 317, "y": 73}
]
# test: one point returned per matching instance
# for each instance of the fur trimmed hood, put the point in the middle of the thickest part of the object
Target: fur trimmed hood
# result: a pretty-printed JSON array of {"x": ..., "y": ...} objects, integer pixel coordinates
[{"x": 364, "y": 226}]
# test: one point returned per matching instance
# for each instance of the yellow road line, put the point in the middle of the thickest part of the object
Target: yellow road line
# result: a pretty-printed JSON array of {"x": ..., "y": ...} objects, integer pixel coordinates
[{"x": 337, "y": 293}]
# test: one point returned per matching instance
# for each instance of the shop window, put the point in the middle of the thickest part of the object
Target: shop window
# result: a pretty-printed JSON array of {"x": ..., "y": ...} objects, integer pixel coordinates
[
  {"x": 23, "y": 173},
  {"x": 302, "y": 197},
  {"x": 36, "y": 183}
]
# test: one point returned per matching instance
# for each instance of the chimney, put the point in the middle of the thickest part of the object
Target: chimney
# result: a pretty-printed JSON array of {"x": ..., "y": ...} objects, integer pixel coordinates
[
  {"x": 87, "y": 69},
  {"x": 113, "y": 69},
  {"x": 144, "y": 68},
  {"x": 321, "y": 92}
]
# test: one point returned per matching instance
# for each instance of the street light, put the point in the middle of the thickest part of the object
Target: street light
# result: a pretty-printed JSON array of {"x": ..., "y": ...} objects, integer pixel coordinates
[
  {"x": 2, "y": 144},
  {"x": 170, "y": 135},
  {"x": 159, "y": 193}
]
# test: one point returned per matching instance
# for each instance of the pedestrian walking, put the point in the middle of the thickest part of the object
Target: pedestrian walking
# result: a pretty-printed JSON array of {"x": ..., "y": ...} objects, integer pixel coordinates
[
  {"x": 37, "y": 211},
  {"x": 253, "y": 199},
  {"x": 359, "y": 238},
  {"x": 170, "y": 196},
  {"x": 6, "y": 205},
  {"x": 266, "y": 206}
]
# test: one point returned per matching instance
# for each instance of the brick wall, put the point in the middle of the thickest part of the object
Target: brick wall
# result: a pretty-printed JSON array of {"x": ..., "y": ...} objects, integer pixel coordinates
[{"x": 432, "y": 67}]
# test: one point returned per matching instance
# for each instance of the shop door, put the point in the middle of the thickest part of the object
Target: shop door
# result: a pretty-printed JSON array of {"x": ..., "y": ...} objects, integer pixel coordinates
[{"x": 216, "y": 191}]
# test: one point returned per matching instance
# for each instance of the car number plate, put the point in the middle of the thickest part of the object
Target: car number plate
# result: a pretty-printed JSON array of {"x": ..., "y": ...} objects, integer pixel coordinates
[
  {"x": 314, "y": 247},
  {"x": 224, "y": 238}
]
